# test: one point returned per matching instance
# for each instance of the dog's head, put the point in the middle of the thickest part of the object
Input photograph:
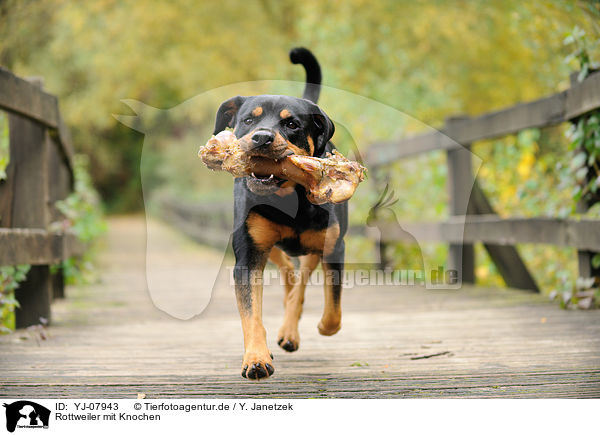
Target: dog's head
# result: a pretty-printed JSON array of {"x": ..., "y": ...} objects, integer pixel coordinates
[{"x": 275, "y": 126}]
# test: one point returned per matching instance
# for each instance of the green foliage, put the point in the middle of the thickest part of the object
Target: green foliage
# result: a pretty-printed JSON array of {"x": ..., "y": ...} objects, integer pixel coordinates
[
  {"x": 584, "y": 133},
  {"x": 83, "y": 215},
  {"x": 582, "y": 47},
  {"x": 82, "y": 208},
  {"x": 10, "y": 277},
  {"x": 584, "y": 294},
  {"x": 584, "y": 147},
  {"x": 429, "y": 59}
]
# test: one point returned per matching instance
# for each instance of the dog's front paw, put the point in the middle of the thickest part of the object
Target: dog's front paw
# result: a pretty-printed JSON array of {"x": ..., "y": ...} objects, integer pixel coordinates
[
  {"x": 257, "y": 365},
  {"x": 288, "y": 339}
]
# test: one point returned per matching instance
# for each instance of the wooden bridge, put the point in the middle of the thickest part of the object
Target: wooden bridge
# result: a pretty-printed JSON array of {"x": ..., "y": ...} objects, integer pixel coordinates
[{"x": 109, "y": 340}]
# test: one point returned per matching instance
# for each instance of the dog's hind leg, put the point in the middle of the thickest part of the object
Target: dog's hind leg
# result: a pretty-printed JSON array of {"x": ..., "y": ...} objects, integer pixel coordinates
[
  {"x": 286, "y": 269},
  {"x": 288, "y": 337},
  {"x": 331, "y": 321}
]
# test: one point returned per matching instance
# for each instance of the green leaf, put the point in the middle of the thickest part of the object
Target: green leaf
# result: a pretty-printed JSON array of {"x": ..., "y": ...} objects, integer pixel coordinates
[
  {"x": 581, "y": 173},
  {"x": 596, "y": 261},
  {"x": 577, "y": 193},
  {"x": 578, "y": 160}
]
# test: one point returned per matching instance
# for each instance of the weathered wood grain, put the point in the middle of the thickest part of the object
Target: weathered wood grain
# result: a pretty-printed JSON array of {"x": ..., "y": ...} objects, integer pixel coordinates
[
  {"x": 580, "y": 234},
  {"x": 27, "y": 99},
  {"x": 461, "y": 255},
  {"x": 60, "y": 185},
  {"x": 583, "y": 97},
  {"x": 40, "y": 172},
  {"x": 29, "y": 246},
  {"x": 109, "y": 340},
  {"x": 29, "y": 144}
]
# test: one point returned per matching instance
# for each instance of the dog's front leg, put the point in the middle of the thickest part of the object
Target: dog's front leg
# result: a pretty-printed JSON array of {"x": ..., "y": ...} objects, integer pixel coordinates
[{"x": 250, "y": 262}]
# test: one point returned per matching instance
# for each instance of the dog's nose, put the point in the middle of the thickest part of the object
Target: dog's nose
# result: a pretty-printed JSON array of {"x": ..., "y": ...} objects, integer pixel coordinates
[{"x": 261, "y": 138}]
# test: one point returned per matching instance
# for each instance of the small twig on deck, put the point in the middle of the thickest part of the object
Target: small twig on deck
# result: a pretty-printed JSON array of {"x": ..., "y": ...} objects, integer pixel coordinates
[{"x": 430, "y": 355}]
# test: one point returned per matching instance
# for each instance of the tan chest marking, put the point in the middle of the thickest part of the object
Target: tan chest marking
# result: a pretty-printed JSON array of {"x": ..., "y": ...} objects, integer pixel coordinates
[
  {"x": 321, "y": 240},
  {"x": 265, "y": 233}
]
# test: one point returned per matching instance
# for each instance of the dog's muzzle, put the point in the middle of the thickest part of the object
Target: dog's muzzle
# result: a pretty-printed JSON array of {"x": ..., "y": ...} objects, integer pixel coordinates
[
  {"x": 265, "y": 143},
  {"x": 269, "y": 144}
]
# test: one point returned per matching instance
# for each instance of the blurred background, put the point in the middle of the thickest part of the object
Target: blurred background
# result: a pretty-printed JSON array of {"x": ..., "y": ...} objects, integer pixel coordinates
[{"x": 426, "y": 59}]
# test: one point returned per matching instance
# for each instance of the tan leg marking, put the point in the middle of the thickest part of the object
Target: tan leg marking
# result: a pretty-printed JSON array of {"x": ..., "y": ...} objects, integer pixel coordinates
[
  {"x": 257, "y": 362},
  {"x": 321, "y": 240},
  {"x": 331, "y": 321},
  {"x": 288, "y": 337}
]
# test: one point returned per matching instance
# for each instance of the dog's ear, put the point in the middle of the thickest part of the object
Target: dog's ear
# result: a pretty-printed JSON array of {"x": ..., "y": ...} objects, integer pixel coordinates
[
  {"x": 324, "y": 129},
  {"x": 227, "y": 112}
]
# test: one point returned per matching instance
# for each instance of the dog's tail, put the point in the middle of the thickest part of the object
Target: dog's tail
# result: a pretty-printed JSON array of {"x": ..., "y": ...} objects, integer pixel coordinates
[{"x": 304, "y": 57}]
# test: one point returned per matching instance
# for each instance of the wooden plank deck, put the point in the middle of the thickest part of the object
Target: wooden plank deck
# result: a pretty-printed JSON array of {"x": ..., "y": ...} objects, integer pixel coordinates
[{"x": 109, "y": 341}]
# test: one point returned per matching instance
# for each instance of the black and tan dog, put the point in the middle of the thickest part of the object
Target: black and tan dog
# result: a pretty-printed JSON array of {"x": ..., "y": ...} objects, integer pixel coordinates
[{"x": 274, "y": 219}]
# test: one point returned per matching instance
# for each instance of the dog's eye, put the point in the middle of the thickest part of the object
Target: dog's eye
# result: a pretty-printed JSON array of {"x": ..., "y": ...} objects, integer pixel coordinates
[
  {"x": 291, "y": 124},
  {"x": 248, "y": 121}
]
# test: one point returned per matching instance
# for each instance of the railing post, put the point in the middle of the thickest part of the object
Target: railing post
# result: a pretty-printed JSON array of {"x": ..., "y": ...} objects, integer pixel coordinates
[
  {"x": 27, "y": 179},
  {"x": 461, "y": 257}
]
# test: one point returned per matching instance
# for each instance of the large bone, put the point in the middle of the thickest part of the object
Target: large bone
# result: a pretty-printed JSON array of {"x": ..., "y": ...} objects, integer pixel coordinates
[{"x": 331, "y": 179}]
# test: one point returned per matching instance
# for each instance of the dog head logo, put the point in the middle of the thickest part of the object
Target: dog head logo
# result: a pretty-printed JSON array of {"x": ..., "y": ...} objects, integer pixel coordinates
[{"x": 26, "y": 414}]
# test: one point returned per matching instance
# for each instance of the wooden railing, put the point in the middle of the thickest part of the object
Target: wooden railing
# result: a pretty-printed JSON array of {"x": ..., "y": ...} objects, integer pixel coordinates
[
  {"x": 39, "y": 173},
  {"x": 478, "y": 222}
]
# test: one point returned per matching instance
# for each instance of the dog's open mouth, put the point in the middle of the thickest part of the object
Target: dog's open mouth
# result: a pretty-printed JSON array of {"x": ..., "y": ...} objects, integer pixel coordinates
[
  {"x": 267, "y": 180},
  {"x": 263, "y": 184}
]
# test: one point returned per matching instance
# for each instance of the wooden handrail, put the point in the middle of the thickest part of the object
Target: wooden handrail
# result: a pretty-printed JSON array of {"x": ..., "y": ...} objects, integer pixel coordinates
[
  {"x": 23, "y": 98},
  {"x": 581, "y": 234},
  {"x": 544, "y": 112},
  {"x": 36, "y": 246},
  {"x": 39, "y": 174}
]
